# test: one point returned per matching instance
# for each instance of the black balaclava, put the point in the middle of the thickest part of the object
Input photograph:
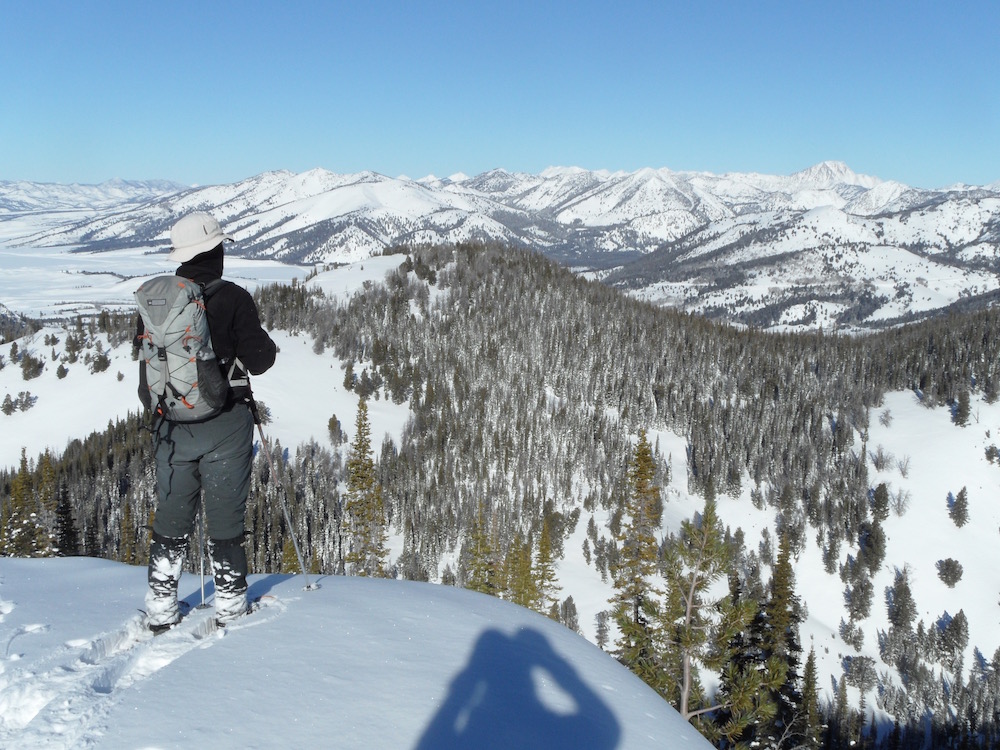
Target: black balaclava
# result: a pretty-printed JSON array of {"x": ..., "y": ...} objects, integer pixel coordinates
[{"x": 204, "y": 267}]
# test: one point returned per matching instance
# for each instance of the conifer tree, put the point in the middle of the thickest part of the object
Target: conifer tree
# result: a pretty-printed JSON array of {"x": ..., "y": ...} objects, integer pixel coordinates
[
  {"x": 601, "y": 629},
  {"x": 781, "y": 604},
  {"x": 23, "y": 533},
  {"x": 47, "y": 500},
  {"x": 959, "y": 510},
  {"x": 746, "y": 650},
  {"x": 901, "y": 607},
  {"x": 880, "y": 503},
  {"x": 482, "y": 571},
  {"x": 67, "y": 535},
  {"x": 698, "y": 632},
  {"x": 634, "y": 601},
  {"x": 950, "y": 571},
  {"x": 289, "y": 560},
  {"x": 962, "y": 408},
  {"x": 809, "y": 725},
  {"x": 126, "y": 534},
  {"x": 545, "y": 574},
  {"x": 839, "y": 731},
  {"x": 568, "y": 614},
  {"x": 519, "y": 580},
  {"x": 364, "y": 510},
  {"x": 781, "y": 641}
]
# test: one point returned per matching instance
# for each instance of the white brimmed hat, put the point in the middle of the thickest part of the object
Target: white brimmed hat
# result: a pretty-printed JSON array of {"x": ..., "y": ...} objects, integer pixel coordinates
[{"x": 193, "y": 235}]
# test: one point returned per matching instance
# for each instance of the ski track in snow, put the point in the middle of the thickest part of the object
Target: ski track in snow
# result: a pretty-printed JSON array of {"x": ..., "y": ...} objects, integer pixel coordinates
[{"x": 67, "y": 697}]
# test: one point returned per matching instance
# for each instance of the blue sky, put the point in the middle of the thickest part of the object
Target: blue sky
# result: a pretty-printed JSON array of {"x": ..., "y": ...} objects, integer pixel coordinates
[{"x": 215, "y": 92}]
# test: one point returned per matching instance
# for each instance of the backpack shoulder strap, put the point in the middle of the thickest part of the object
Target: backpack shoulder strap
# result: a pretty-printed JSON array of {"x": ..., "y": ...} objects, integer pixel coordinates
[
  {"x": 211, "y": 288},
  {"x": 207, "y": 290}
]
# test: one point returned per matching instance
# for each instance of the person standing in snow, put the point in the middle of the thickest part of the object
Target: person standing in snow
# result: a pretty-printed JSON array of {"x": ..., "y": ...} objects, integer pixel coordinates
[{"x": 213, "y": 455}]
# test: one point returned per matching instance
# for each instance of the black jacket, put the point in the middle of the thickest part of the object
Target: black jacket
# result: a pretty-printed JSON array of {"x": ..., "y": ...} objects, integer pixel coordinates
[{"x": 233, "y": 321}]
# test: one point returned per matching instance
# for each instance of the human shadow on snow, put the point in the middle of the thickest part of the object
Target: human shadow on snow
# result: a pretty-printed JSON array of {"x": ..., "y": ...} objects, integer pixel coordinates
[{"x": 495, "y": 702}]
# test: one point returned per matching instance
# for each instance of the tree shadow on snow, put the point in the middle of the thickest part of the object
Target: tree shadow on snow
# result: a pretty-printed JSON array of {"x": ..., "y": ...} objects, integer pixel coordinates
[{"x": 517, "y": 692}]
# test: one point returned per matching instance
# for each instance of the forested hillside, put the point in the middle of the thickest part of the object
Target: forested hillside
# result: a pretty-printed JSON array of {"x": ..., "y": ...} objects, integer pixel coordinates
[{"x": 527, "y": 387}]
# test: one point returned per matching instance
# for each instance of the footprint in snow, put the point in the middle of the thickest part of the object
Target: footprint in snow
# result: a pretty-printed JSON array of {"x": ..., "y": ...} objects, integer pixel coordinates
[
  {"x": 23, "y": 630},
  {"x": 6, "y": 608}
]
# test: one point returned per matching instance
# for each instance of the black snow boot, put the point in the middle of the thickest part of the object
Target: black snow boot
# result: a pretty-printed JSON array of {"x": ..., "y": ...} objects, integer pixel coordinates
[
  {"x": 229, "y": 568},
  {"x": 166, "y": 560}
]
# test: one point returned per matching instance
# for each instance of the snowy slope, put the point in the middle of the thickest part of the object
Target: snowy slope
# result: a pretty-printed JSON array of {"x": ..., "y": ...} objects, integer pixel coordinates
[
  {"x": 928, "y": 457},
  {"x": 358, "y": 663},
  {"x": 857, "y": 268},
  {"x": 21, "y": 195},
  {"x": 95, "y": 398}
]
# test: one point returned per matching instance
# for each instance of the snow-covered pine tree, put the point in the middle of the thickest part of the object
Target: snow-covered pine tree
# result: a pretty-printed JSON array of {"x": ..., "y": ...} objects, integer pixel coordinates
[{"x": 22, "y": 533}]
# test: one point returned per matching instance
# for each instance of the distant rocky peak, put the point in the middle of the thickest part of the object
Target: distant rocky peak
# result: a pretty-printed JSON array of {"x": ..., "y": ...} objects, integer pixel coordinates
[{"x": 828, "y": 174}]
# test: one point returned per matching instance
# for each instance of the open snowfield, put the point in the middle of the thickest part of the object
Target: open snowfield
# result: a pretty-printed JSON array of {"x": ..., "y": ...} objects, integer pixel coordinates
[
  {"x": 358, "y": 663},
  {"x": 50, "y": 282}
]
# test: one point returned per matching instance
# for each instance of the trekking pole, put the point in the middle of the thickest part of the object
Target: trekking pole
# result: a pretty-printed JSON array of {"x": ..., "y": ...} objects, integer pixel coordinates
[
  {"x": 201, "y": 554},
  {"x": 284, "y": 502}
]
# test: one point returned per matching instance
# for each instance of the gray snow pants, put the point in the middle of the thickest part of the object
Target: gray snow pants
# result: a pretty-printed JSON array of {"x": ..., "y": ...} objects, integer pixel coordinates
[{"x": 214, "y": 455}]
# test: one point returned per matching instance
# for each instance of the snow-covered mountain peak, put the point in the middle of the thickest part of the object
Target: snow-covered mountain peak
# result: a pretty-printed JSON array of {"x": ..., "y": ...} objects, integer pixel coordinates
[
  {"x": 557, "y": 172},
  {"x": 495, "y": 181},
  {"x": 883, "y": 197},
  {"x": 316, "y": 181},
  {"x": 828, "y": 174},
  {"x": 433, "y": 181}
]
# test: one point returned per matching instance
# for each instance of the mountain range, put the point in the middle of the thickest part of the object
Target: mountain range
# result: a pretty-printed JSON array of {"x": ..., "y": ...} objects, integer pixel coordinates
[{"x": 824, "y": 247}]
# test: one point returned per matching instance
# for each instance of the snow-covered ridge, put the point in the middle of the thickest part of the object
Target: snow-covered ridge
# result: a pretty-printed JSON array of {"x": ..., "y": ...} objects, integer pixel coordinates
[
  {"x": 21, "y": 195},
  {"x": 772, "y": 250},
  {"x": 303, "y": 217},
  {"x": 632, "y": 211}
]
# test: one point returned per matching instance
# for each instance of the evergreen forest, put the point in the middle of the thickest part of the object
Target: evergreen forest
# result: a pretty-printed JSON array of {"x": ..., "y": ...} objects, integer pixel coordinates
[{"x": 531, "y": 391}]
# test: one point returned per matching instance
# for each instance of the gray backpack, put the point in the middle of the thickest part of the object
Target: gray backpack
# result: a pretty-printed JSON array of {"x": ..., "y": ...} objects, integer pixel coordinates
[{"x": 185, "y": 380}]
